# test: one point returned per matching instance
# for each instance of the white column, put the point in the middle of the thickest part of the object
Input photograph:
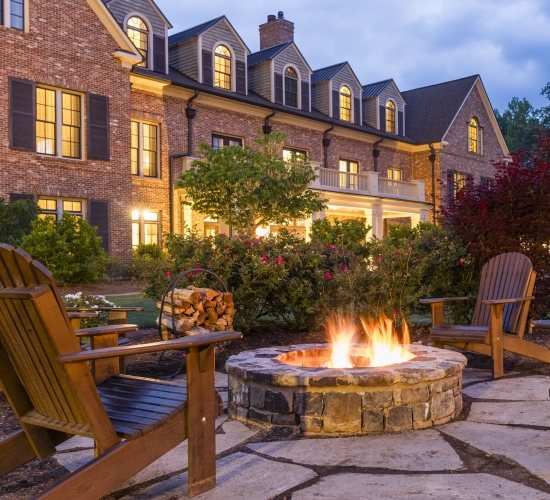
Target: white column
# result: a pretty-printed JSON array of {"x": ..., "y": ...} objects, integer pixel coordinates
[
  {"x": 318, "y": 215},
  {"x": 224, "y": 228},
  {"x": 187, "y": 218},
  {"x": 375, "y": 220},
  {"x": 308, "y": 223},
  {"x": 420, "y": 190},
  {"x": 372, "y": 183}
]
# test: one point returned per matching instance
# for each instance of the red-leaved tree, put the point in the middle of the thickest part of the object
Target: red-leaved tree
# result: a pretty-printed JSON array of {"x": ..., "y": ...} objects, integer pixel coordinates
[{"x": 509, "y": 214}]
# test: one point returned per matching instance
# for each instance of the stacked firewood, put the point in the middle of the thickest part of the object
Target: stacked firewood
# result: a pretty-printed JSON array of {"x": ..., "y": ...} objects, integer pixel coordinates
[{"x": 196, "y": 310}]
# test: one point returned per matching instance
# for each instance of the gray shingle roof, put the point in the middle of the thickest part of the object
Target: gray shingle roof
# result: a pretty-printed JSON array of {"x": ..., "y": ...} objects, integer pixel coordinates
[
  {"x": 182, "y": 36},
  {"x": 324, "y": 74},
  {"x": 374, "y": 89},
  {"x": 266, "y": 54},
  {"x": 431, "y": 110}
]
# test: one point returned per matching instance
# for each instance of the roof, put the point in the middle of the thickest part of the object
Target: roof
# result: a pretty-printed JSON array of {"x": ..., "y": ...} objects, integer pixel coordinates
[
  {"x": 374, "y": 89},
  {"x": 431, "y": 110},
  {"x": 183, "y": 36},
  {"x": 266, "y": 54},
  {"x": 324, "y": 74},
  {"x": 156, "y": 7}
]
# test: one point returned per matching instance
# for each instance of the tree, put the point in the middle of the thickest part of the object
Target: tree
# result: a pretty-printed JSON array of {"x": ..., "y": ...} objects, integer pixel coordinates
[
  {"x": 510, "y": 214},
  {"x": 16, "y": 220},
  {"x": 519, "y": 124},
  {"x": 248, "y": 188}
]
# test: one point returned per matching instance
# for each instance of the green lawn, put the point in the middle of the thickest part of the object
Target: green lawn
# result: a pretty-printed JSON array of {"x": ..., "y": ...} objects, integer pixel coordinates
[{"x": 142, "y": 319}]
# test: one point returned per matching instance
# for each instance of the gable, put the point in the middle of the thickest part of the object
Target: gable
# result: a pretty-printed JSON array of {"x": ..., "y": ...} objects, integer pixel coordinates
[
  {"x": 347, "y": 77},
  {"x": 223, "y": 31},
  {"x": 291, "y": 56},
  {"x": 122, "y": 8}
]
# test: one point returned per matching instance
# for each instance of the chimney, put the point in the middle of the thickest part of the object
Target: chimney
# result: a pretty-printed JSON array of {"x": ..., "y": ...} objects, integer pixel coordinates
[{"x": 276, "y": 31}]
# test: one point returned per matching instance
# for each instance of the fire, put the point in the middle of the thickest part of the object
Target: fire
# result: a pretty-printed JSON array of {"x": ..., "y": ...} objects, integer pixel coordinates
[{"x": 384, "y": 347}]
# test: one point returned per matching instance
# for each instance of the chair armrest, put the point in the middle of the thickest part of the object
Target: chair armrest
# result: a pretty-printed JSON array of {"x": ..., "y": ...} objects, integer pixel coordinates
[
  {"x": 82, "y": 314},
  {"x": 445, "y": 299},
  {"x": 508, "y": 301},
  {"x": 183, "y": 343},
  {"x": 105, "y": 330},
  {"x": 106, "y": 309}
]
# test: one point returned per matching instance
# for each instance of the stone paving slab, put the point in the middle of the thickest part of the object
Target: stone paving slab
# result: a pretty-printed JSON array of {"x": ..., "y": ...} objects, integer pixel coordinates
[
  {"x": 412, "y": 451},
  {"x": 239, "y": 476},
  {"x": 530, "y": 448},
  {"x": 76, "y": 442},
  {"x": 512, "y": 389},
  {"x": 514, "y": 412},
  {"x": 475, "y": 375},
  {"x": 419, "y": 487}
]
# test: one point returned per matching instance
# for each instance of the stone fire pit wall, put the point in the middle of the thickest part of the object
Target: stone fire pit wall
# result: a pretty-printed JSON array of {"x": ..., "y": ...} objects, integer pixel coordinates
[{"x": 420, "y": 393}]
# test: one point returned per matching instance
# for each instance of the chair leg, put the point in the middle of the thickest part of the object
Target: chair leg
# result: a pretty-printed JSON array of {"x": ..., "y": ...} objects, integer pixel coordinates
[
  {"x": 15, "y": 450},
  {"x": 497, "y": 352}
]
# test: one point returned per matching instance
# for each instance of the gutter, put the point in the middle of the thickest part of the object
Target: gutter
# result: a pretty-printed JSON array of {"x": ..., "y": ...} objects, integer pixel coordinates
[
  {"x": 267, "y": 127},
  {"x": 326, "y": 144},
  {"x": 432, "y": 158},
  {"x": 376, "y": 153},
  {"x": 190, "y": 112}
]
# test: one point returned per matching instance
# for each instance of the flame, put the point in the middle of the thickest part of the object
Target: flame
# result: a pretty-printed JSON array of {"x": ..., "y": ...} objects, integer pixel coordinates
[{"x": 385, "y": 347}]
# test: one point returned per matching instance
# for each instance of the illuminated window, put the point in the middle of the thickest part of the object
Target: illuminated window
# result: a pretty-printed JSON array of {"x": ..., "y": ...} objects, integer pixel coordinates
[
  {"x": 17, "y": 14},
  {"x": 222, "y": 141},
  {"x": 390, "y": 117},
  {"x": 58, "y": 123},
  {"x": 222, "y": 67},
  {"x": 144, "y": 156},
  {"x": 138, "y": 33},
  {"x": 145, "y": 228},
  {"x": 459, "y": 179},
  {"x": 474, "y": 136},
  {"x": 56, "y": 206},
  {"x": 294, "y": 155},
  {"x": 211, "y": 226},
  {"x": 345, "y": 104},
  {"x": 291, "y": 88},
  {"x": 348, "y": 176},
  {"x": 395, "y": 174}
]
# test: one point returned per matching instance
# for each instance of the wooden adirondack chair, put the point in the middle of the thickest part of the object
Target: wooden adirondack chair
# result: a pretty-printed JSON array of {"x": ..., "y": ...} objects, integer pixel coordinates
[
  {"x": 500, "y": 314},
  {"x": 47, "y": 381}
]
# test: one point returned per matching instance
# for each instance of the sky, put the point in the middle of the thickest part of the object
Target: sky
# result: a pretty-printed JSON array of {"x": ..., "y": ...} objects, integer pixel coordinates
[{"x": 415, "y": 42}]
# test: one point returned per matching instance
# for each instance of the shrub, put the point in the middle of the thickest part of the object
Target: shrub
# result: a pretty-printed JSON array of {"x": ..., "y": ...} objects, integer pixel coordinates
[
  {"x": 93, "y": 301},
  {"x": 350, "y": 234},
  {"x": 148, "y": 250},
  {"x": 69, "y": 248},
  {"x": 16, "y": 220}
]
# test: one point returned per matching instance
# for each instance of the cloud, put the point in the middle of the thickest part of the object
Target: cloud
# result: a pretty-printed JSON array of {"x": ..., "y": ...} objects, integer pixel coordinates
[{"x": 416, "y": 42}]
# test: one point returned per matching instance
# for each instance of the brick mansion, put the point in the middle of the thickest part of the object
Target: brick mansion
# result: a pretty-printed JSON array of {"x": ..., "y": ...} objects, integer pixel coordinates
[{"x": 101, "y": 109}]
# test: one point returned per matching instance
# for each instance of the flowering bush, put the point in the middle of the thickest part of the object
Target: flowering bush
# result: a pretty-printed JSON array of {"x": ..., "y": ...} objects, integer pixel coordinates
[{"x": 92, "y": 301}]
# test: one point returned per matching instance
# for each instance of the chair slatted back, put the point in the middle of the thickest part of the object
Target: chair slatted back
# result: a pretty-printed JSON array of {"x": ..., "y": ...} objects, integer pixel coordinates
[
  {"x": 34, "y": 330},
  {"x": 505, "y": 276}
]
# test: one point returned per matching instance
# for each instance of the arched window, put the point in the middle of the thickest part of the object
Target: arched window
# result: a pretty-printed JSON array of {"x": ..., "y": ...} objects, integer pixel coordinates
[
  {"x": 291, "y": 87},
  {"x": 390, "y": 117},
  {"x": 139, "y": 35},
  {"x": 222, "y": 67},
  {"x": 345, "y": 104},
  {"x": 474, "y": 136}
]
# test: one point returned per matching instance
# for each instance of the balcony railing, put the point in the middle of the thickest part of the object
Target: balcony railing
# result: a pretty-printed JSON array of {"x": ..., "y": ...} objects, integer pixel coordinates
[{"x": 367, "y": 183}]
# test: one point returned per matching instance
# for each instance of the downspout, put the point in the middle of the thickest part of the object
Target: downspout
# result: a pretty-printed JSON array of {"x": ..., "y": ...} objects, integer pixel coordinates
[
  {"x": 190, "y": 112},
  {"x": 267, "y": 127},
  {"x": 432, "y": 158},
  {"x": 376, "y": 153},
  {"x": 326, "y": 144}
]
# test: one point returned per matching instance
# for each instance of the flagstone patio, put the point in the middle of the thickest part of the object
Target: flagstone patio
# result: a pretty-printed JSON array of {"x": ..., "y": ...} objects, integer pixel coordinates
[{"x": 499, "y": 448}]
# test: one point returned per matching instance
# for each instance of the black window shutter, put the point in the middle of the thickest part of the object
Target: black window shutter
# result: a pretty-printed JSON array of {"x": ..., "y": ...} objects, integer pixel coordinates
[
  {"x": 98, "y": 127},
  {"x": 383, "y": 118},
  {"x": 305, "y": 96},
  {"x": 469, "y": 179},
  {"x": 357, "y": 110},
  {"x": 336, "y": 104},
  {"x": 400, "y": 123},
  {"x": 99, "y": 216},
  {"x": 22, "y": 114},
  {"x": 21, "y": 196},
  {"x": 160, "y": 54},
  {"x": 278, "y": 88},
  {"x": 484, "y": 181},
  {"x": 207, "y": 75},
  {"x": 241, "y": 77},
  {"x": 450, "y": 184}
]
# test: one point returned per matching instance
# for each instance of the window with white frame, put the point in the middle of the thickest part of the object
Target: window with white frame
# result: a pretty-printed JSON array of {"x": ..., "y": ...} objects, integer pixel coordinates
[
  {"x": 145, "y": 149},
  {"x": 293, "y": 155},
  {"x": 58, "y": 123},
  {"x": 395, "y": 174},
  {"x": 54, "y": 206},
  {"x": 345, "y": 104},
  {"x": 211, "y": 226},
  {"x": 222, "y": 67},
  {"x": 145, "y": 228},
  {"x": 138, "y": 33},
  {"x": 221, "y": 141},
  {"x": 390, "y": 117},
  {"x": 475, "y": 137},
  {"x": 460, "y": 179},
  {"x": 13, "y": 13},
  {"x": 348, "y": 176},
  {"x": 291, "y": 87}
]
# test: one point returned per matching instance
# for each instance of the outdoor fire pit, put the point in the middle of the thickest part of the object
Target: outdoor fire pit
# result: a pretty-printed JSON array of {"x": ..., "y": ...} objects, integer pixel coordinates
[{"x": 297, "y": 386}]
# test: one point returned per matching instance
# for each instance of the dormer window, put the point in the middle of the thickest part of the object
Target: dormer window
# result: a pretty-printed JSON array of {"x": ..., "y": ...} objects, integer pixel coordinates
[
  {"x": 222, "y": 67},
  {"x": 345, "y": 104},
  {"x": 474, "y": 136},
  {"x": 139, "y": 35},
  {"x": 291, "y": 87},
  {"x": 390, "y": 117}
]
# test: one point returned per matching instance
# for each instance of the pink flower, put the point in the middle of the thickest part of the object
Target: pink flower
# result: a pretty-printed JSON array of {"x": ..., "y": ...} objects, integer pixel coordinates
[
  {"x": 396, "y": 253},
  {"x": 222, "y": 235},
  {"x": 327, "y": 245},
  {"x": 197, "y": 267},
  {"x": 278, "y": 260},
  {"x": 167, "y": 273},
  {"x": 379, "y": 258},
  {"x": 328, "y": 275},
  {"x": 144, "y": 277},
  {"x": 246, "y": 242},
  {"x": 343, "y": 267},
  {"x": 265, "y": 258},
  {"x": 461, "y": 260},
  {"x": 395, "y": 313}
]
